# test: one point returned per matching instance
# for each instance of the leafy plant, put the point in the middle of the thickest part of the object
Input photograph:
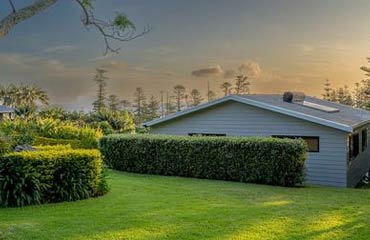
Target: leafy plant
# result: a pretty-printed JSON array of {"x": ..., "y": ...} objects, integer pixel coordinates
[
  {"x": 258, "y": 160},
  {"x": 50, "y": 175}
]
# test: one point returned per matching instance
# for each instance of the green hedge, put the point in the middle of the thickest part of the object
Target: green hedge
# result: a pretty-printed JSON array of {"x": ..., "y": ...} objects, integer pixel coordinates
[
  {"x": 44, "y": 141},
  {"x": 257, "y": 160},
  {"x": 50, "y": 176}
]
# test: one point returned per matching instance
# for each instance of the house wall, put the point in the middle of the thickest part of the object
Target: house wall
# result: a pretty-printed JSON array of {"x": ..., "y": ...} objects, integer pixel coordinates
[
  {"x": 360, "y": 165},
  {"x": 327, "y": 167}
]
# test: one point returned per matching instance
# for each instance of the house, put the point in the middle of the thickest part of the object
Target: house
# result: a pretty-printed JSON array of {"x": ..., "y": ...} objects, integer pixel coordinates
[
  {"x": 336, "y": 134},
  {"x": 5, "y": 111}
]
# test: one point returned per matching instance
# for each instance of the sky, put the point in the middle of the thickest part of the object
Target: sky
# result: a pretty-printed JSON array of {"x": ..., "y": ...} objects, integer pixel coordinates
[{"x": 280, "y": 44}]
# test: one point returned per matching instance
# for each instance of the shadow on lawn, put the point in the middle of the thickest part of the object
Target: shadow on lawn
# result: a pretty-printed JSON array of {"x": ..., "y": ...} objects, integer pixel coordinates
[{"x": 153, "y": 207}]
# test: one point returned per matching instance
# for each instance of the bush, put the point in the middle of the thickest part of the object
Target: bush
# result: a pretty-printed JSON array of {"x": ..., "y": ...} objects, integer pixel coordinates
[
  {"x": 19, "y": 131},
  {"x": 49, "y": 176},
  {"x": 5, "y": 144},
  {"x": 257, "y": 160},
  {"x": 43, "y": 141},
  {"x": 54, "y": 147},
  {"x": 58, "y": 129}
]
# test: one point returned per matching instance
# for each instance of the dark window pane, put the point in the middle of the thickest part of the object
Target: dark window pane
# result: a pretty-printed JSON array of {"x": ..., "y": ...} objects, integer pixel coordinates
[
  {"x": 208, "y": 134},
  {"x": 356, "y": 145},
  {"x": 364, "y": 139}
]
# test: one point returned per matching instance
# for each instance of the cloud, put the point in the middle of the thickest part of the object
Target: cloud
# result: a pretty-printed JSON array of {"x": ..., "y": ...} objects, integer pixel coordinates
[
  {"x": 229, "y": 73},
  {"x": 63, "y": 82},
  {"x": 210, "y": 71},
  {"x": 251, "y": 69},
  {"x": 61, "y": 48}
]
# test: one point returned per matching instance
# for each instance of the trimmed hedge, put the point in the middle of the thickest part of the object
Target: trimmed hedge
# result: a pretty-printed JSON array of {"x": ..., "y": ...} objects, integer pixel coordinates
[
  {"x": 257, "y": 160},
  {"x": 53, "y": 147},
  {"x": 44, "y": 141},
  {"x": 50, "y": 176}
]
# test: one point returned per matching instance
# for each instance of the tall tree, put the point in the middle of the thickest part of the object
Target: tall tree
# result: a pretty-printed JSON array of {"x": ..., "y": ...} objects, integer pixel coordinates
[
  {"x": 195, "y": 97},
  {"x": 162, "y": 108},
  {"x": 139, "y": 104},
  {"x": 113, "y": 103},
  {"x": 333, "y": 96},
  {"x": 358, "y": 96},
  {"x": 124, "y": 104},
  {"x": 119, "y": 29},
  {"x": 211, "y": 95},
  {"x": 226, "y": 88},
  {"x": 241, "y": 85},
  {"x": 344, "y": 96},
  {"x": 327, "y": 90},
  {"x": 366, "y": 86},
  {"x": 100, "y": 79},
  {"x": 152, "y": 108},
  {"x": 179, "y": 96},
  {"x": 170, "y": 107}
]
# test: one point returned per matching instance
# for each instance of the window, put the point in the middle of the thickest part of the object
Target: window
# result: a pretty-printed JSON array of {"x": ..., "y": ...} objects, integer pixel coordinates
[
  {"x": 355, "y": 144},
  {"x": 364, "y": 139},
  {"x": 207, "y": 134},
  {"x": 313, "y": 143}
]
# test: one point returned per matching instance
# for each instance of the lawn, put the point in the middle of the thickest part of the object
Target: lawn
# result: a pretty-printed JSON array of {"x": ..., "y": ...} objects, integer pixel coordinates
[{"x": 155, "y": 207}]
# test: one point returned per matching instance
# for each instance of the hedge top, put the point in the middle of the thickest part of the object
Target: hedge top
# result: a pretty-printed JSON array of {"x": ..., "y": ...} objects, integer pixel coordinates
[{"x": 229, "y": 139}]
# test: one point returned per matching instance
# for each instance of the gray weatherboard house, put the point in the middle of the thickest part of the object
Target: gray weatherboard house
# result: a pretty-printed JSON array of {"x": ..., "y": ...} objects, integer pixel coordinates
[{"x": 337, "y": 135}]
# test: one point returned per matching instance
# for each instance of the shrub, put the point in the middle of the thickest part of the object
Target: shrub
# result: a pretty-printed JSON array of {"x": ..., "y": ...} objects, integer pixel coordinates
[
  {"x": 19, "y": 131},
  {"x": 54, "y": 147},
  {"x": 5, "y": 144},
  {"x": 58, "y": 129},
  {"x": 257, "y": 160},
  {"x": 43, "y": 141},
  {"x": 49, "y": 176}
]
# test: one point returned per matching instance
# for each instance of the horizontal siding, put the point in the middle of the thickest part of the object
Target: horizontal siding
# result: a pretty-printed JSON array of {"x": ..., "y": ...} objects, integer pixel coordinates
[{"x": 328, "y": 167}]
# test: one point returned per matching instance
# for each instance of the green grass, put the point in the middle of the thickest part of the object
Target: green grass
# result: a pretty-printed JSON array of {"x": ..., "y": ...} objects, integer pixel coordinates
[{"x": 155, "y": 207}]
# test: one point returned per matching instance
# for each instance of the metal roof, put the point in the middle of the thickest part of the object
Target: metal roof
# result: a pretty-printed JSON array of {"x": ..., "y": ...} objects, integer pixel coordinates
[
  {"x": 5, "y": 109},
  {"x": 346, "y": 119}
]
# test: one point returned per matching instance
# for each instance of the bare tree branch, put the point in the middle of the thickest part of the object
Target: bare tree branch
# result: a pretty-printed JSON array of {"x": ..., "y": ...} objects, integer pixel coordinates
[
  {"x": 120, "y": 29},
  {"x": 7, "y": 23},
  {"x": 12, "y": 5},
  {"x": 110, "y": 30}
]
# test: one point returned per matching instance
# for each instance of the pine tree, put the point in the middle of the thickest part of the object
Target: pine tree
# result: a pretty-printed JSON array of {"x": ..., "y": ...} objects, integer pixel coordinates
[
  {"x": 211, "y": 95},
  {"x": 241, "y": 85},
  {"x": 99, "y": 104},
  {"x": 124, "y": 104},
  {"x": 152, "y": 109},
  {"x": 139, "y": 105},
  {"x": 344, "y": 96},
  {"x": 327, "y": 90},
  {"x": 113, "y": 103},
  {"x": 195, "y": 97},
  {"x": 333, "y": 96},
  {"x": 169, "y": 106},
  {"x": 366, "y": 87},
  {"x": 226, "y": 88},
  {"x": 179, "y": 96},
  {"x": 358, "y": 96}
]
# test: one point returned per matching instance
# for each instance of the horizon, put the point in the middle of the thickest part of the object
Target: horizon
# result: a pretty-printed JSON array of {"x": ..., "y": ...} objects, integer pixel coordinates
[{"x": 280, "y": 46}]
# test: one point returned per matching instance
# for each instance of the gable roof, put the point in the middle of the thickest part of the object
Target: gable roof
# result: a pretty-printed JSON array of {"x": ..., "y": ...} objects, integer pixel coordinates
[
  {"x": 346, "y": 119},
  {"x": 5, "y": 109}
]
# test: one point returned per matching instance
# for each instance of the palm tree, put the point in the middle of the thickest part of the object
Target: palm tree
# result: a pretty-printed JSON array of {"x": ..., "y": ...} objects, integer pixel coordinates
[
  {"x": 15, "y": 96},
  {"x": 31, "y": 95}
]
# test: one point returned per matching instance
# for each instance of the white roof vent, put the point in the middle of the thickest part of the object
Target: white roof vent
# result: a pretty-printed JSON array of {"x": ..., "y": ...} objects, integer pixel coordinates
[{"x": 320, "y": 107}]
